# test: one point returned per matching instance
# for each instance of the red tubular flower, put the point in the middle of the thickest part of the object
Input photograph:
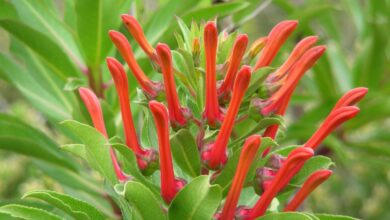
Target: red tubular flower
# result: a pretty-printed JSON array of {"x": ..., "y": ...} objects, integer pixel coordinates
[
  {"x": 307, "y": 60},
  {"x": 169, "y": 186},
  {"x": 297, "y": 52},
  {"x": 235, "y": 58},
  {"x": 176, "y": 115},
  {"x": 210, "y": 38},
  {"x": 276, "y": 38},
  {"x": 93, "y": 106},
  {"x": 247, "y": 155},
  {"x": 310, "y": 184},
  {"x": 215, "y": 157},
  {"x": 334, "y": 119},
  {"x": 124, "y": 48},
  {"x": 122, "y": 87},
  {"x": 297, "y": 156},
  {"x": 136, "y": 31},
  {"x": 351, "y": 97}
]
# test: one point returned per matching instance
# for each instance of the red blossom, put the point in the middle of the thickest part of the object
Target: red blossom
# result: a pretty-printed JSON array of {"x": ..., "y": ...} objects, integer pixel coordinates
[
  {"x": 247, "y": 156},
  {"x": 314, "y": 180},
  {"x": 95, "y": 111}
]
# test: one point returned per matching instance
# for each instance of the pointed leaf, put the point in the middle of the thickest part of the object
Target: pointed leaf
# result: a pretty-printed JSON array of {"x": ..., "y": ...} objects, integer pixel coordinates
[{"x": 27, "y": 213}]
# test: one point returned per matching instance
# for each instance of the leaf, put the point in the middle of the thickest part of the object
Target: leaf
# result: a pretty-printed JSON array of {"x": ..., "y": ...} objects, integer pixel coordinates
[
  {"x": 74, "y": 83},
  {"x": 185, "y": 152},
  {"x": 285, "y": 216},
  {"x": 313, "y": 164},
  {"x": 144, "y": 201},
  {"x": 257, "y": 80},
  {"x": 72, "y": 206},
  {"x": 48, "y": 50},
  {"x": 210, "y": 12},
  {"x": 43, "y": 18},
  {"x": 76, "y": 149},
  {"x": 97, "y": 152},
  {"x": 132, "y": 166},
  {"x": 225, "y": 178},
  {"x": 94, "y": 18},
  {"x": 27, "y": 213},
  {"x": 19, "y": 137},
  {"x": 197, "y": 200},
  {"x": 334, "y": 217}
]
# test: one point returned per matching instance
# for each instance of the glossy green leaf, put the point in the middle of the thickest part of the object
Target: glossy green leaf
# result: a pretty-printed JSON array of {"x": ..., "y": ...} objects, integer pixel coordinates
[
  {"x": 144, "y": 201},
  {"x": 27, "y": 213},
  {"x": 49, "y": 51},
  {"x": 313, "y": 164},
  {"x": 74, "y": 207},
  {"x": 185, "y": 152},
  {"x": 198, "y": 200},
  {"x": 97, "y": 151}
]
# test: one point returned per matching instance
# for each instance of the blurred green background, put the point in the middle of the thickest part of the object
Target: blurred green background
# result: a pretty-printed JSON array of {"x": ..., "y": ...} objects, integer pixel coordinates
[{"x": 355, "y": 32}]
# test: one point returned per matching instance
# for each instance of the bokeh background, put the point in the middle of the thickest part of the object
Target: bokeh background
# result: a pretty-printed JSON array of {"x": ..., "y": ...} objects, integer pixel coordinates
[{"x": 356, "y": 33}]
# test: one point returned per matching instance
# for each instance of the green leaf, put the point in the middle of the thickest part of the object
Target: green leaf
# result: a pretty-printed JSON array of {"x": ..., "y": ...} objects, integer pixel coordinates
[
  {"x": 225, "y": 178},
  {"x": 74, "y": 83},
  {"x": 334, "y": 217},
  {"x": 94, "y": 18},
  {"x": 185, "y": 152},
  {"x": 43, "y": 18},
  {"x": 97, "y": 152},
  {"x": 210, "y": 12},
  {"x": 49, "y": 51},
  {"x": 76, "y": 149},
  {"x": 27, "y": 213},
  {"x": 313, "y": 164},
  {"x": 144, "y": 201},
  {"x": 72, "y": 206},
  {"x": 197, "y": 200},
  {"x": 19, "y": 137},
  {"x": 257, "y": 80},
  {"x": 285, "y": 216},
  {"x": 132, "y": 166}
]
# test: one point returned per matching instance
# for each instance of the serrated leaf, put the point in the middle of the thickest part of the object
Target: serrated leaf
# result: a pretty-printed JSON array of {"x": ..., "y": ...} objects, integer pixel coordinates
[
  {"x": 27, "y": 213},
  {"x": 198, "y": 200},
  {"x": 144, "y": 201},
  {"x": 74, "y": 207},
  {"x": 185, "y": 152},
  {"x": 97, "y": 152}
]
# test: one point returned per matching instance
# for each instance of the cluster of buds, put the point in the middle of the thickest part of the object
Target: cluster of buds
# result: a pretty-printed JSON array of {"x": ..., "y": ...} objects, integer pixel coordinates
[{"x": 225, "y": 101}]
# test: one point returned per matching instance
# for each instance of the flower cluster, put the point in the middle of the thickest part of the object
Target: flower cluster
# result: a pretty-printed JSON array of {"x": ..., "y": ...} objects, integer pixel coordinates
[{"x": 229, "y": 97}]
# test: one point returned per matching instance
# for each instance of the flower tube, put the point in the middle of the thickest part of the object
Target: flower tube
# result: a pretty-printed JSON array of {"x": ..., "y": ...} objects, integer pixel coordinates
[
  {"x": 314, "y": 180},
  {"x": 93, "y": 106},
  {"x": 216, "y": 157},
  {"x": 247, "y": 155}
]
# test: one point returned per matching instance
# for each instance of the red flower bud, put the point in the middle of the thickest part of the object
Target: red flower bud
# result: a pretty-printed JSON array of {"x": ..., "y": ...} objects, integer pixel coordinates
[
  {"x": 215, "y": 157},
  {"x": 210, "y": 38},
  {"x": 334, "y": 119},
  {"x": 310, "y": 184},
  {"x": 93, "y": 106},
  {"x": 235, "y": 58},
  {"x": 351, "y": 97},
  {"x": 136, "y": 31},
  {"x": 263, "y": 179},
  {"x": 247, "y": 155},
  {"x": 124, "y": 48},
  {"x": 297, "y": 156},
  {"x": 169, "y": 186},
  {"x": 276, "y": 39},
  {"x": 176, "y": 115}
]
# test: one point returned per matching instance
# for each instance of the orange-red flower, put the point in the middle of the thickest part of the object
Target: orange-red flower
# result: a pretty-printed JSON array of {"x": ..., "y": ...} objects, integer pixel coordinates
[
  {"x": 176, "y": 114},
  {"x": 247, "y": 156},
  {"x": 212, "y": 112},
  {"x": 95, "y": 111},
  {"x": 151, "y": 88},
  {"x": 215, "y": 157},
  {"x": 169, "y": 185},
  {"x": 276, "y": 39},
  {"x": 314, "y": 180}
]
